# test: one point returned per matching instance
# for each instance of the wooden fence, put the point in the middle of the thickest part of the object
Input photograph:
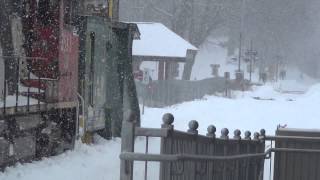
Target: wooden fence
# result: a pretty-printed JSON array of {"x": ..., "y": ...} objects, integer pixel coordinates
[
  {"x": 170, "y": 92},
  {"x": 191, "y": 156},
  {"x": 192, "y": 143},
  {"x": 300, "y": 163}
]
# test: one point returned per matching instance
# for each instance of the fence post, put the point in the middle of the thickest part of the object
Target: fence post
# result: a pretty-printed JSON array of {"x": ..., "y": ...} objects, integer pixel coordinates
[
  {"x": 212, "y": 131},
  {"x": 165, "y": 146},
  {"x": 227, "y": 83},
  {"x": 237, "y": 136},
  {"x": 127, "y": 145},
  {"x": 225, "y": 133},
  {"x": 193, "y": 129},
  {"x": 256, "y": 136},
  {"x": 261, "y": 148},
  {"x": 211, "y": 167},
  {"x": 247, "y": 135},
  {"x": 248, "y": 138},
  {"x": 225, "y": 136}
]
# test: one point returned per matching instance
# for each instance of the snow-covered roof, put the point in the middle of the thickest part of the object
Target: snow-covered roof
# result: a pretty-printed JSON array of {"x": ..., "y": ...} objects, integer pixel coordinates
[{"x": 158, "y": 40}]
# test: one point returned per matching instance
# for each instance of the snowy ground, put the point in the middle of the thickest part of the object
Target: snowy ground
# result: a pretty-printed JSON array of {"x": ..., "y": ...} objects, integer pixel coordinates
[
  {"x": 23, "y": 101},
  {"x": 245, "y": 112},
  {"x": 101, "y": 161}
]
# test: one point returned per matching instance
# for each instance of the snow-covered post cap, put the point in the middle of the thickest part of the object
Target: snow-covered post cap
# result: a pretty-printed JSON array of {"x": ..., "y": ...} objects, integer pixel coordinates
[
  {"x": 193, "y": 127},
  {"x": 256, "y": 136},
  {"x": 211, "y": 131},
  {"x": 237, "y": 134},
  {"x": 224, "y": 133},
  {"x": 167, "y": 120},
  {"x": 247, "y": 135},
  {"x": 262, "y": 136}
]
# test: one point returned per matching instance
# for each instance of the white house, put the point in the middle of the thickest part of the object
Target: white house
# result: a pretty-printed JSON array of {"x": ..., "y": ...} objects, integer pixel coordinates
[{"x": 161, "y": 51}]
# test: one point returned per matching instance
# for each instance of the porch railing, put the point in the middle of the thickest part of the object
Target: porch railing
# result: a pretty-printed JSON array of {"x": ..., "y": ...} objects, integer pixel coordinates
[{"x": 11, "y": 83}]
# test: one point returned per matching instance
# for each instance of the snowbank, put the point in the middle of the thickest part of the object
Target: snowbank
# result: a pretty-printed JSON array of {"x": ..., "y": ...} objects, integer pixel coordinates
[
  {"x": 313, "y": 93},
  {"x": 97, "y": 162},
  {"x": 245, "y": 112}
]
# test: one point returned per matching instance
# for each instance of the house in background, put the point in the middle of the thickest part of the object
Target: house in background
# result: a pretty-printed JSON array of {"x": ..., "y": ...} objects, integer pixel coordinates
[{"x": 167, "y": 55}]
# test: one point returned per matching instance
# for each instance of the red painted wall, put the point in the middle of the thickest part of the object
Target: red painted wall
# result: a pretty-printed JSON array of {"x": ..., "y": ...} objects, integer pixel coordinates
[{"x": 68, "y": 66}]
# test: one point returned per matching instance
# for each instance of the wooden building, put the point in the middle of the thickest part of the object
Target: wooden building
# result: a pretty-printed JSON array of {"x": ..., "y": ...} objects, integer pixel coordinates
[{"x": 167, "y": 54}]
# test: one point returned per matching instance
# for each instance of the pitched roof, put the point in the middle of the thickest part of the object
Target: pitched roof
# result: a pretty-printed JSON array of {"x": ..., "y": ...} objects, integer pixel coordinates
[{"x": 158, "y": 40}]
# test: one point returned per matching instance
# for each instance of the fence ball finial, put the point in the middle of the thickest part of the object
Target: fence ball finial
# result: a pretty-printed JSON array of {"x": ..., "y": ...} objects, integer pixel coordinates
[
  {"x": 237, "y": 134},
  {"x": 262, "y": 136},
  {"x": 225, "y": 133},
  {"x": 167, "y": 120},
  {"x": 256, "y": 136},
  {"x": 193, "y": 127},
  {"x": 247, "y": 135},
  {"x": 211, "y": 131},
  {"x": 263, "y": 132}
]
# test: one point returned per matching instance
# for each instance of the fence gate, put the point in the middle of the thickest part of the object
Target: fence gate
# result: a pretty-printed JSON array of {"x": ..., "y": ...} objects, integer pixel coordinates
[
  {"x": 297, "y": 155},
  {"x": 192, "y": 143},
  {"x": 192, "y": 156},
  {"x": 187, "y": 155}
]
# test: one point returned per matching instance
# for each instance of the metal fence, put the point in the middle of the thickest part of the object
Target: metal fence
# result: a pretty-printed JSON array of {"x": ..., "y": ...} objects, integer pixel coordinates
[{"x": 293, "y": 154}]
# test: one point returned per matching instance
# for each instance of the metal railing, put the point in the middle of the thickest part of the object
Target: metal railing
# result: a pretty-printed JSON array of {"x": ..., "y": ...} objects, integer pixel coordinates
[{"x": 11, "y": 82}]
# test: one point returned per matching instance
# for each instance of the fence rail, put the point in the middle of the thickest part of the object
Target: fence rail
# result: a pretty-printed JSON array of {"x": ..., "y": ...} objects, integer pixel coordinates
[{"x": 187, "y": 157}]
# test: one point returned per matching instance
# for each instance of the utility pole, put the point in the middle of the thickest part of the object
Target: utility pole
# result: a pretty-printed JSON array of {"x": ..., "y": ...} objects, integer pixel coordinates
[
  {"x": 241, "y": 33},
  {"x": 240, "y": 49},
  {"x": 239, "y": 74},
  {"x": 252, "y": 54}
]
